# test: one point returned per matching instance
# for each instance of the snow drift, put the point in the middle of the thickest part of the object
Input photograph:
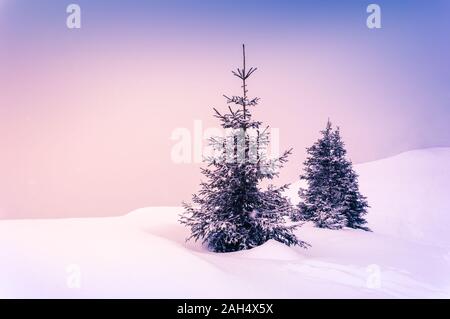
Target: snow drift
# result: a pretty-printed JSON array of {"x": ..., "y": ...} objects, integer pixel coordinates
[{"x": 144, "y": 254}]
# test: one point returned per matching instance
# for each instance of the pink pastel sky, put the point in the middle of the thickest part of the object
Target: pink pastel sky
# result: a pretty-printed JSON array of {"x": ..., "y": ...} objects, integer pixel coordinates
[{"x": 86, "y": 115}]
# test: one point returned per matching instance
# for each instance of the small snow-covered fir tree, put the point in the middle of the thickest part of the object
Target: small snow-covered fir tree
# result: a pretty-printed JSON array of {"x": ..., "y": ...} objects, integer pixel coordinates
[
  {"x": 332, "y": 198},
  {"x": 231, "y": 212},
  {"x": 321, "y": 203},
  {"x": 354, "y": 204}
]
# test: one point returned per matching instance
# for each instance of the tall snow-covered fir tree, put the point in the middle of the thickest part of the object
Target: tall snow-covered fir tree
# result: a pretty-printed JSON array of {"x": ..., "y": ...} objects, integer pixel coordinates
[
  {"x": 332, "y": 198},
  {"x": 231, "y": 211}
]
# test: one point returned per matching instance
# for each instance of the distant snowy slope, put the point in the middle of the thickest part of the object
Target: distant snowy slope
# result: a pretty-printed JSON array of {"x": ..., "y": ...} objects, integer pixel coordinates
[
  {"x": 144, "y": 254},
  {"x": 409, "y": 195}
]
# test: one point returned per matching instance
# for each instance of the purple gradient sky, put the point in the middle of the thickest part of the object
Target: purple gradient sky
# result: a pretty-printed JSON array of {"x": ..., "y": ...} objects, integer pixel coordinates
[{"x": 86, "y": 115}]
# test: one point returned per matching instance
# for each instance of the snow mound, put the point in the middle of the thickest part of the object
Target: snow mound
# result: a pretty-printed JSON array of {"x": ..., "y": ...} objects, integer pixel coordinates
[
  {"x": 272, "y": 250},
  {"x": 409, "y": 195}
]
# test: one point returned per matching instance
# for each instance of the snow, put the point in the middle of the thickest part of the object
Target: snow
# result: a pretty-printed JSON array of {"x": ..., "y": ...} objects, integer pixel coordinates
[
  {"x": 271, "y": 250},
  {"x": 414, "y": 188},
  {"x": 144, "y": 254}
]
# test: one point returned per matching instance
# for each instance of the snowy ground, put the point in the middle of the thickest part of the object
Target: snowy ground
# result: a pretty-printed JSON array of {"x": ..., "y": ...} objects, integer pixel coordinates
[{"x": 144, "y": 254}]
